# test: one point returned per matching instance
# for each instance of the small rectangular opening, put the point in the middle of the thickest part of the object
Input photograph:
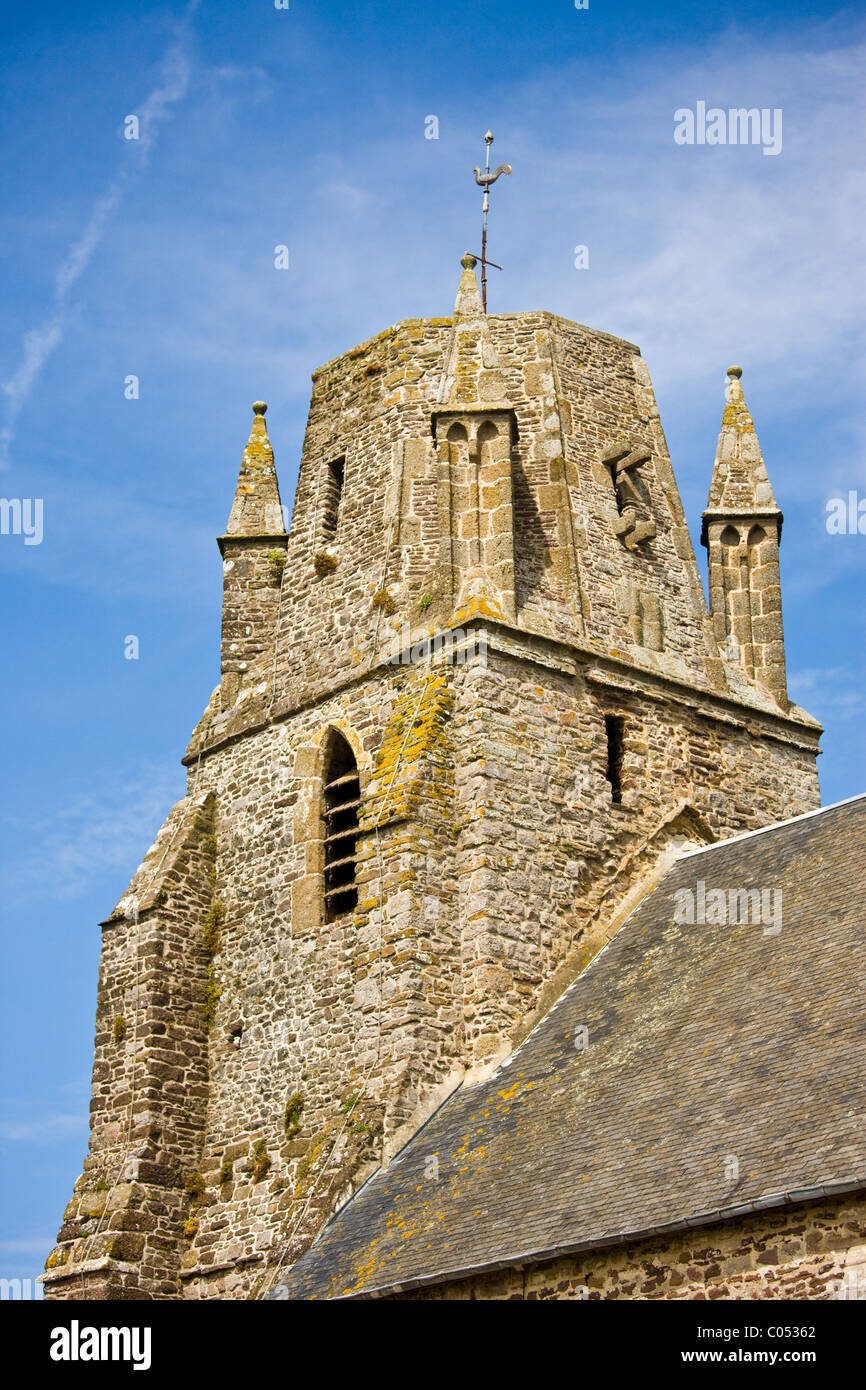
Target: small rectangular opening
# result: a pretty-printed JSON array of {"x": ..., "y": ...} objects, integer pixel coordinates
[
  {"x": 614, "y": 728},
  {"x": 332, "y": 494}
]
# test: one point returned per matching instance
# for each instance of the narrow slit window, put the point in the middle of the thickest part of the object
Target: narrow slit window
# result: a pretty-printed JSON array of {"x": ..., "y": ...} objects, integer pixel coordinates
[
  {"x": 614, "y": 728},
  {"x": 342, "y": 797},
  {"x": 618, "y": 493},
  {"x": 332, "y": 496}
]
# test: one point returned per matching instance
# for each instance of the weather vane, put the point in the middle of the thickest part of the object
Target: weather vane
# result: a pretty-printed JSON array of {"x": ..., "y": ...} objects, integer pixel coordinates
[{"x": 484, "y": 181}]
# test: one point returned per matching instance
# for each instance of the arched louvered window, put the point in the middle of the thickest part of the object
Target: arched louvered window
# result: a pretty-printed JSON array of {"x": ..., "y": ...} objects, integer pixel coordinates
[{"x": 342, "y": 797}]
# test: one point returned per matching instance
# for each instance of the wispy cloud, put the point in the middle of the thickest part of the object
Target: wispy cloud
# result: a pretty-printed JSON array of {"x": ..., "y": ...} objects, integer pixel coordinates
[
  {"x": 698, "y": 252},
  {"x": 40, "y": 342},
  {"x": 830, "y": 692},
  {"x": 38, "y": 1246},
  {"x": 42, "y": 1129},
  {"x": 112, "y": 830}
]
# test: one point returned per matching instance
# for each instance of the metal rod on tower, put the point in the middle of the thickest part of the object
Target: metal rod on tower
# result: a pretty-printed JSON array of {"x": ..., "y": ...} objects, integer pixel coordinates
[{"x": 484, "y": 181}]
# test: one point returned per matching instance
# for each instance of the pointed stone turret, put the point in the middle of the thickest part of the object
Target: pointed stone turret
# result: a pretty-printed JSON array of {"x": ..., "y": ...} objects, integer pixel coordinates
[
  {"x": 740, "y": 482},
  {"x": 468, "y": 302},
  {"x": 253, "y": 551},
  {"x": 742, "y": 527},
  {"x": 256, "y": 510}
]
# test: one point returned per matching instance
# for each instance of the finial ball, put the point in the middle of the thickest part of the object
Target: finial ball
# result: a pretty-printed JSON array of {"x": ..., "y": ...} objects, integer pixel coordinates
[
  {"x": 488, "y": 139},
  {"x": 735, "y": 371},
  {"x": 468, "y": 261},
  {"x": 259, "y": 407}
]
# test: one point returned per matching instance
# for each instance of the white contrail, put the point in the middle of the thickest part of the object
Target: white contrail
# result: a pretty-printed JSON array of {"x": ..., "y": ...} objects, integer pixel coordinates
[{"x": 39, "y": 343}]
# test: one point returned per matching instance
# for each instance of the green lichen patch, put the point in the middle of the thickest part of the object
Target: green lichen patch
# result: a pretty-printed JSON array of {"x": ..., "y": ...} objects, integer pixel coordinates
[{"x": 118, "y": 1031}]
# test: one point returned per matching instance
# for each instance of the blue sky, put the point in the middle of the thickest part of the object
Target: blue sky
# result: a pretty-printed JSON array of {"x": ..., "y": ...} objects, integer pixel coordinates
[{"x": 155, "y": 257}]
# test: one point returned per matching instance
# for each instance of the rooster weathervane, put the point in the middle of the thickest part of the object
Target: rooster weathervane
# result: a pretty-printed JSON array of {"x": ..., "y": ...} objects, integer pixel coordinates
[{"x": 484, "y": 181}]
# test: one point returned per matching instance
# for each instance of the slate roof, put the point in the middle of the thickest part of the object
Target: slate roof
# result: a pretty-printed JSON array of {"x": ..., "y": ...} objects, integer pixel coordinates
[{"x": 704, "y": 1041}]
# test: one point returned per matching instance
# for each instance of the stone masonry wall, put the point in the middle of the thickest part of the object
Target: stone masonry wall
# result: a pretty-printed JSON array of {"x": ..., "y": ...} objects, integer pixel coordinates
[
  {"x": 541, "y": 845},
  {"x": 355, "y": 1018}
]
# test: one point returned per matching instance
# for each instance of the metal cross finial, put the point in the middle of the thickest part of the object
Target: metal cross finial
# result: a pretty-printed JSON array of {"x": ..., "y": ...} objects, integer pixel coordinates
[{"x": 484, "y": 181}]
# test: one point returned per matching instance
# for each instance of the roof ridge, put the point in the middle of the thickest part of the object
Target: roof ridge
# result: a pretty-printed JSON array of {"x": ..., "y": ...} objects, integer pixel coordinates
[{"x": 776, "y": 825}]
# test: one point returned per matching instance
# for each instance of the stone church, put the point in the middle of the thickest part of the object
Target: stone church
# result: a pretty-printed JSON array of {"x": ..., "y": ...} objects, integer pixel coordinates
[{"x": 499, "y": 948}]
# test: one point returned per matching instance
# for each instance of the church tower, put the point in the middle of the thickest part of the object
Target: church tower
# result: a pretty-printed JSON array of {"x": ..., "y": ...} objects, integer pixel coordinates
[{"x": 468, "y": 706}]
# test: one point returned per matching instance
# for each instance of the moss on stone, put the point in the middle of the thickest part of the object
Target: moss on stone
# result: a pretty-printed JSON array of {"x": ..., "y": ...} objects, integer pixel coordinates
[
  {"x": 119, "y": 1029},
  {"x": 292, "y": 1114},
  {"x": 212, "y": 993},
  {"x": 323, "y": 563},
  {"x": 276, "y": 563},
  {"x": 212, "y": 923},
  {"x": 194, "y": 1186},
  {"x": 382, "y": 599},
  {"x": 261, "y": 1160}
]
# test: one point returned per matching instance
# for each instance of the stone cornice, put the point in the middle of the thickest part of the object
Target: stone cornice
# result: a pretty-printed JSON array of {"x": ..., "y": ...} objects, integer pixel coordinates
[
  {"x": 569, "y": 659},
  {"x": 267, "y": 538}
]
